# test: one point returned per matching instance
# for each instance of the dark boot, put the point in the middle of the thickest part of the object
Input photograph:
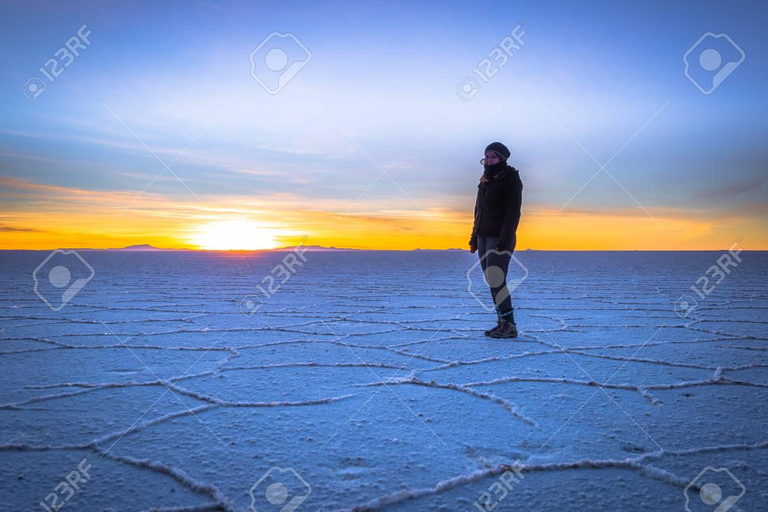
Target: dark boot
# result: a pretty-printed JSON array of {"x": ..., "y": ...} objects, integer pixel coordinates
[
  {"x": 505, "y": 330},
  {"x": 490, "y": 332}
]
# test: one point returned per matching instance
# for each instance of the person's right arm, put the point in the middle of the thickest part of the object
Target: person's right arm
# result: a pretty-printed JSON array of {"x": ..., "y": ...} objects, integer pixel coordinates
[{"x": 473, "y": 237}]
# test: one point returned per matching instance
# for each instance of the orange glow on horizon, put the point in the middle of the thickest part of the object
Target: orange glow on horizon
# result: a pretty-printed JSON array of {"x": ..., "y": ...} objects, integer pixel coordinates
[
  {"x": 36, "y": 216},
  {"x": 436, "y": 229}
]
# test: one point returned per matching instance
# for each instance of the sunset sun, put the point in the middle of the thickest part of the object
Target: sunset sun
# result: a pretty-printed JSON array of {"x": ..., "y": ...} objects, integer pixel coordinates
[{"x": 235, "y": 235}]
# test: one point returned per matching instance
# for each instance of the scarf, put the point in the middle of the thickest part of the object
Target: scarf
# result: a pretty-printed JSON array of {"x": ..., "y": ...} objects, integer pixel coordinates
[{"x": 492, "y": 170}]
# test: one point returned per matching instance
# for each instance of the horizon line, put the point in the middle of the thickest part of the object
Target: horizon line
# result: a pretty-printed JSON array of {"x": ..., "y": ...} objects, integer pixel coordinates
[{"x": 343, "y": 249}]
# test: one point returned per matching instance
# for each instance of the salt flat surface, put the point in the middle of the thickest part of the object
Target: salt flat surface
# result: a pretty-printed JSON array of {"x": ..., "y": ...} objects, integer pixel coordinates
[{"x": 367, "y": 374}]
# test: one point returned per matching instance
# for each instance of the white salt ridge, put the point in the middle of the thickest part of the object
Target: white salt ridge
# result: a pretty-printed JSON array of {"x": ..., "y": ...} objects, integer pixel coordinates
[
  {"x": 316, "y": 365},
  {"x": 20, "y": 405},
  {"x": 222, "y": 502},
  {"x": 506, "y": 404},
  {"x": 423, "y": 357}
]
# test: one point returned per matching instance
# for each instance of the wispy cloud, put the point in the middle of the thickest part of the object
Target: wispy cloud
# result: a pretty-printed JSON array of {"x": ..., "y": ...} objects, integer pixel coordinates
[{"x": 10, "y": 229}]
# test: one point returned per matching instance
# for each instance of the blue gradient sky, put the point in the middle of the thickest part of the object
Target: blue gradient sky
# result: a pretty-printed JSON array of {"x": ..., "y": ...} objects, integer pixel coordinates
[{"x": 381, "y": 73}]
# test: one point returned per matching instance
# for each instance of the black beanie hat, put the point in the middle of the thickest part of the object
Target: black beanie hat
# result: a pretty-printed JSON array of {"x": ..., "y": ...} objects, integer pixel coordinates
[{"x": 498, "y": 148}]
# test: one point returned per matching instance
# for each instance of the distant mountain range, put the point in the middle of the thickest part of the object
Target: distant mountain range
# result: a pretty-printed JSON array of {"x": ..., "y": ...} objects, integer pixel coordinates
[
  {"x": 312, "y": 248},
  {"x": 150, "y": 248},
  {"x": 142, "y": 248}
]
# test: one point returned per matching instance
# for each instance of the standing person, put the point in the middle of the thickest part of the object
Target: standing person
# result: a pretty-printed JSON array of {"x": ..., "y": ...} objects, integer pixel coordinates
[{"x": 497, "y": 214}]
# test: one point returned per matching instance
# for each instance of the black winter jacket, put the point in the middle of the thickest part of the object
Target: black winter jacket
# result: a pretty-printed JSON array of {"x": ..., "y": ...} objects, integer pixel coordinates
[{"x": 497, "y": 208}]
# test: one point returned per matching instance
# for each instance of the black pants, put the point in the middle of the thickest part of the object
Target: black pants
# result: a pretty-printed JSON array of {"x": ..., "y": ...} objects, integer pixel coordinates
[{"x": 495, "y": 265}]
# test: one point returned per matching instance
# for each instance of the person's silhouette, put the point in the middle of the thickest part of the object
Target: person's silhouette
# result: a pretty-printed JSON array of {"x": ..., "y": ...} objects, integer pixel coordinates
[{"x": 494, "y": 233}]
